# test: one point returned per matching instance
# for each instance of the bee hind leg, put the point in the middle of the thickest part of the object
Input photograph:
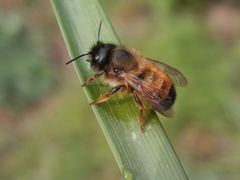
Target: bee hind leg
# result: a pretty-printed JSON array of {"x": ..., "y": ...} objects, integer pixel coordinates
[
  {"x": 92, "y": 78},
  {"x": 108, "y": 94},
  {"x": 141, "y": 109}
]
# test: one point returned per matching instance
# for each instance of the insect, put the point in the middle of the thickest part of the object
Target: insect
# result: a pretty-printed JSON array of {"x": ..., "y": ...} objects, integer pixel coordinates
[{"x": 124, "y": 69}]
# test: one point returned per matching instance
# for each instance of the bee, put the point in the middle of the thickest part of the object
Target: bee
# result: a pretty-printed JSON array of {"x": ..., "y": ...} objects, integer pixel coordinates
[{"x": 147, "y": 80}]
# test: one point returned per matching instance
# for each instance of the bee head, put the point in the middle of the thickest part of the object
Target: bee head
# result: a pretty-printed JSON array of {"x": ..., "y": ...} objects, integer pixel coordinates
[{"x": 100, "y": 55}]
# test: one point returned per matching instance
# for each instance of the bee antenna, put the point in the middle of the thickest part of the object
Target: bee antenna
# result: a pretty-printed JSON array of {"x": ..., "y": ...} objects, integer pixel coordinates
[
  {"x": 99, "y": 30},
  {"x": 77, "y": 58}
]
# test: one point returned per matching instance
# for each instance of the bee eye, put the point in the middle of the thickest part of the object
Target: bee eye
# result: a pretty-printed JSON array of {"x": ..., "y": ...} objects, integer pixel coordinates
[{"x": 97, "y": 57}]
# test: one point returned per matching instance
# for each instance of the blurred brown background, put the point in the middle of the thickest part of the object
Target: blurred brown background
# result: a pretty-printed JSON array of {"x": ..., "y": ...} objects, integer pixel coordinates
[{"x": 47, "y": 129}]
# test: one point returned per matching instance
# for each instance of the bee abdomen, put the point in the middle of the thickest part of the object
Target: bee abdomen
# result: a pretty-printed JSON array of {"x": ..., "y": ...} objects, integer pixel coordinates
[{"x": 170, "y": 99}]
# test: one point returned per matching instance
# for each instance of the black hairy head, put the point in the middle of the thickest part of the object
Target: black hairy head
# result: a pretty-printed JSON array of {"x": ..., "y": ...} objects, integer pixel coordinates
[{"x": 100, "y": 55}]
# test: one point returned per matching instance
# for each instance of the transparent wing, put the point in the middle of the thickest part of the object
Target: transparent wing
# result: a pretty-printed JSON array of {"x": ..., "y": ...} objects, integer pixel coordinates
[
  {"x": 177, "y": 77},
  {"x": 150, "y": 93}
]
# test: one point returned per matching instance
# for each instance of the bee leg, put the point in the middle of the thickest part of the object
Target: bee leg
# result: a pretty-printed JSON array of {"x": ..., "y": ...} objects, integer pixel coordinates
[
  {"x": 108, "y": 94},
  {"x": 92, "y": 78},
  {"x": 141, "y": 109}
]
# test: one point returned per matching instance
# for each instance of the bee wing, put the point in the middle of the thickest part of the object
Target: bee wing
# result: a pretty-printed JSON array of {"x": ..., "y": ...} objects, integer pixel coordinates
[
  {"x": 150, "y": 93},
  {"x": 177, "y": 77}
]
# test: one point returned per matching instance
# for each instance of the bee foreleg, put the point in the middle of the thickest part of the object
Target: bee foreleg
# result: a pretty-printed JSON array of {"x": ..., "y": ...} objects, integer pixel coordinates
[
  {"x": 108, "y": 94},
  {"x": 92, "y": 78},
  {"x": 141, "y": 109}
]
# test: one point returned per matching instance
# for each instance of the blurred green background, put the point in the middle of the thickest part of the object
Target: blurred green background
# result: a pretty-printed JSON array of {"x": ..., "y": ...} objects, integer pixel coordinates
[{"x": 47, "y": 129}]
